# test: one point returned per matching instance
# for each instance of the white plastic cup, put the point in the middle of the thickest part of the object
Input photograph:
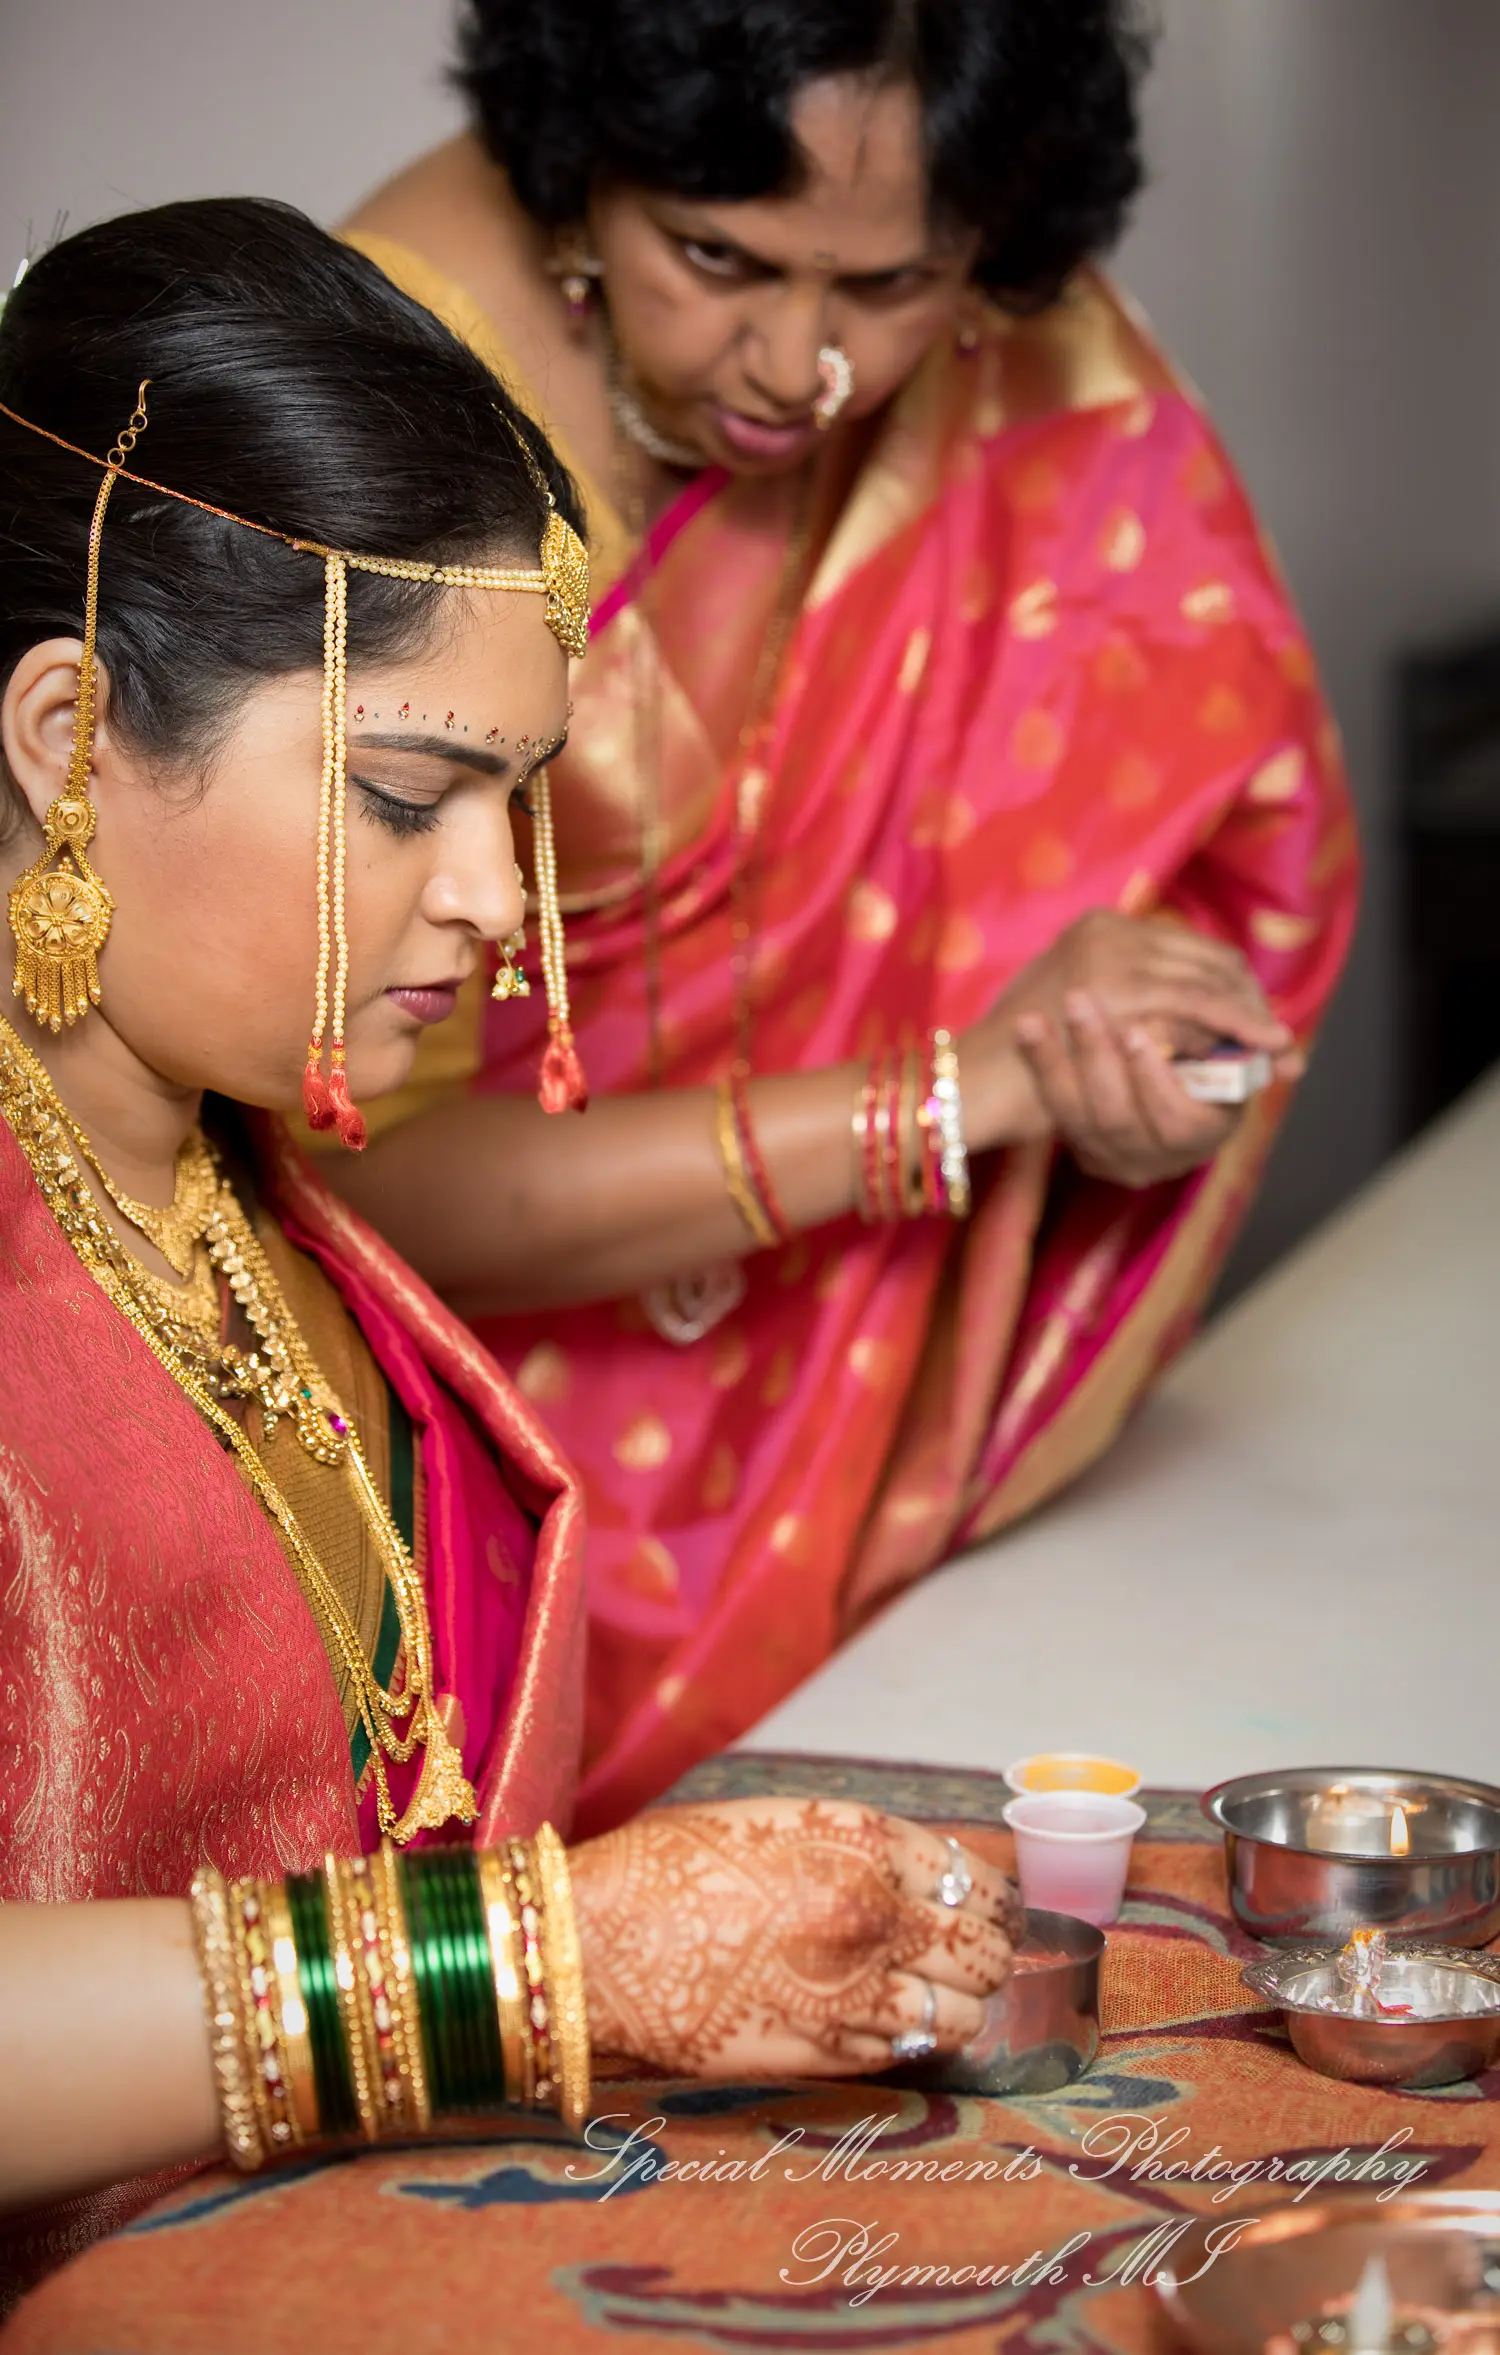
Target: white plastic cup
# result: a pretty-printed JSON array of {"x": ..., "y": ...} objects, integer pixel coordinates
[{"x": 1073, "y": 1851}]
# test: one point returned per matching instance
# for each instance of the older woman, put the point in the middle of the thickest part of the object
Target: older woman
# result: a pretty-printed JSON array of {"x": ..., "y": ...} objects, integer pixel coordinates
[
  {"x": 289, "y": 1576},
  {"x": 947, "y": 758}
]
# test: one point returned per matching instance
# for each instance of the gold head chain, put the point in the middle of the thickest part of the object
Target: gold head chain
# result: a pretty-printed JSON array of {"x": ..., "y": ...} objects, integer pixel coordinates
[{"x": 60, "y": 913}]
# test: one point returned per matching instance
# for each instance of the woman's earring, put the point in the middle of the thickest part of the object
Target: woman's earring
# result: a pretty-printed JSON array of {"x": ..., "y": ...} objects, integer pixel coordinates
[
  {"x": 60, "y": 916},
  {"x": 577, "y": 271},
  {"x": 968, "y": 335},
  {"x": 836, "y": 377},
  {"x": 510, "y": 982},
  {"x": 59, "y": 910}
]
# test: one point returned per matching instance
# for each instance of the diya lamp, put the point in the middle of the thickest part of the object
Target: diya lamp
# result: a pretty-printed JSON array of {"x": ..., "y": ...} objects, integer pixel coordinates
[
  {"x": 1381, "y": 2014},
  {"x": 1366, "y": 2324},
  {"x": 1314, "y": 1853}
]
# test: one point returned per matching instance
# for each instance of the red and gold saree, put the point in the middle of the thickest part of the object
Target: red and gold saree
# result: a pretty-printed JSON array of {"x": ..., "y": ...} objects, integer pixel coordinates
[
  {"x": 1043, "y": 663},
  {"x": 166, "y": 1696}
]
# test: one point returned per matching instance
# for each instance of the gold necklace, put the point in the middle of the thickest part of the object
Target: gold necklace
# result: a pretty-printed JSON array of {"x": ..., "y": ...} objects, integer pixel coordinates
[
  {"x": 176, "y": 1231},
  {"x": 280, "y": 1377}
]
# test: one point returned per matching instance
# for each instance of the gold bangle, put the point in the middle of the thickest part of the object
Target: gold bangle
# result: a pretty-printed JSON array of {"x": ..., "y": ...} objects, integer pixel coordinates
[
  {"x": 296, "y": 2043},
  {"x": 379, "y": 2021},
  {"x": 908, "y": 1156},
  {"x": 214, "y": 1942},
  {"x": 496, "y": 1891},
  {"x": 564, "y": 1957},
  {"x": 537, "y": 2065},
  {"x": 401, "y": 1986},
  {"x": 341, "y": 1947},
  {"x": 736, "y": 1177},
  {"x": 261, "y": 2011}
]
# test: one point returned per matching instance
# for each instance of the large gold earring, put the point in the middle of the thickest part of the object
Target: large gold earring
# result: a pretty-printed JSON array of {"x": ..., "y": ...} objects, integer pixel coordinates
[
  {"x": 60, "y": 916},
  {"x": 59, "y": 910}
]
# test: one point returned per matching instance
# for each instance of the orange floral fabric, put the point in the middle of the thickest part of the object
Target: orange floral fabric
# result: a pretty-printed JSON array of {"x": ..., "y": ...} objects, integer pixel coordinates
[{"x": 525, "y": 2240}]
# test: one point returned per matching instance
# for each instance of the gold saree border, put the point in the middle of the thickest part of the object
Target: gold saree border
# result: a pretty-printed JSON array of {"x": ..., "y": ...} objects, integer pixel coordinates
[{"x": 1087, "y": 1421}]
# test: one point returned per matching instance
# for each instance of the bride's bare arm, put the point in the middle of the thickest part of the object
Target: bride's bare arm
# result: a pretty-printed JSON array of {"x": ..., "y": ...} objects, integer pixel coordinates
[
  {"x": 738, "y": 1940},
  {"x": 104, "y": 2056}
]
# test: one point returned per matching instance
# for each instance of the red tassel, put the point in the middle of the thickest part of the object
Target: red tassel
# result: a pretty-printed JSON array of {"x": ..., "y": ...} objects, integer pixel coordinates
[
  {"x": 316, "y": 1101},
  {"x": 563, "y": 1087},
  {"x": 345, "y": 1112}
]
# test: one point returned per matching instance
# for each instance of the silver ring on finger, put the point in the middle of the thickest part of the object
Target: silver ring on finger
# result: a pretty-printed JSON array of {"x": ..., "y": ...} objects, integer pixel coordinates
[
  {"x": 919, "y": 2044},
  {"x": 955, "y": 1881}
]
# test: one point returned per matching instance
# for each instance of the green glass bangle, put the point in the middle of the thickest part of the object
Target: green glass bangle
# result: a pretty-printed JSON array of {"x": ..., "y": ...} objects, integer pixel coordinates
[
  {"x": 471, "y": 1978},
  {"x": 477, "y": 1963},
  {"x": 433, "y": 2008},
  {"x": 325, "y": 2029}
]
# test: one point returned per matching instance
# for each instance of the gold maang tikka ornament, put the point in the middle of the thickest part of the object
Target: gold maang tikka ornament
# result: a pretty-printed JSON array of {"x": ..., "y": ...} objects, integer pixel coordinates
[
  {"x": 60, "y": 913},
  {"x": 59, "y": 909}
]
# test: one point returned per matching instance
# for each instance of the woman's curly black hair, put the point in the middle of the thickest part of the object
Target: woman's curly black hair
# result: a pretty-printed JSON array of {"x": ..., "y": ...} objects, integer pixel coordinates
[{"x": 1029, "y": 107}]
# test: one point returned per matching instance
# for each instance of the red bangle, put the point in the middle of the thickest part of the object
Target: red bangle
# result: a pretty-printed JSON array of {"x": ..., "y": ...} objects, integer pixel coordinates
[
  {"x": 755, "y": 1166},
  {"x": 888, "y": 1126},
  {"x": 869, "y": 1149}
]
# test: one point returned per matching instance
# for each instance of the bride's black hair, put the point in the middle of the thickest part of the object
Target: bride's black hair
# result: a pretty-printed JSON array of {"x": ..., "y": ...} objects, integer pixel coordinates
[
  {"x": 1029, "y": 107},
  {"x": 290, "y": 383}
]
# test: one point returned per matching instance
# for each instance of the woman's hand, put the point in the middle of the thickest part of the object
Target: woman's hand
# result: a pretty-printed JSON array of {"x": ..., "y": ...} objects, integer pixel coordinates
[
  {"x": 782, "y": 1937},
  {"x": 1187, "y": 990},
  {"x": 1117, "y": 1104},
  {"x": 1093, "y": 1023}
]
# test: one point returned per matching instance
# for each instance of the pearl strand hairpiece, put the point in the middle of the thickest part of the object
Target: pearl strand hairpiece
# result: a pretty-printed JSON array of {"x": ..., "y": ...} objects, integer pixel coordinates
[{"x": 562, "y": 578}]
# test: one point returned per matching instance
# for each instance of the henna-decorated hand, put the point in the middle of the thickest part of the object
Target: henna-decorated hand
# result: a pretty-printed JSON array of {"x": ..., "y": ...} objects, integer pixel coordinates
[{"x": 771, "y": 1937}]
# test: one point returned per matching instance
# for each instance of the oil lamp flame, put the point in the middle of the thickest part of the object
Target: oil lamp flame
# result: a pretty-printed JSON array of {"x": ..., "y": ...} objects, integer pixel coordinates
[{"x": 1400, "y": 1836}]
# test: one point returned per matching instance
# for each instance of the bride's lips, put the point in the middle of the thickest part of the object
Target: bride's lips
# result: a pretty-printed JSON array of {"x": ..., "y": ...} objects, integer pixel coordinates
[
  {"x": 752, "y": 437},
  {"x": 433, "y": 1002}
]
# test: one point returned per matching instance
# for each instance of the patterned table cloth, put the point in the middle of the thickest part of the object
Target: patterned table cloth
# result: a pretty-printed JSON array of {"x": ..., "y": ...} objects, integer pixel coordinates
[{"x": 793, "y": 2217}]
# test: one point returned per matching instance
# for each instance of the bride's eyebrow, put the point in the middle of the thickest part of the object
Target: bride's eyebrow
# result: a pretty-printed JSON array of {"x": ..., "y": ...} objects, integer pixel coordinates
[{"x": 451, "y": 749}]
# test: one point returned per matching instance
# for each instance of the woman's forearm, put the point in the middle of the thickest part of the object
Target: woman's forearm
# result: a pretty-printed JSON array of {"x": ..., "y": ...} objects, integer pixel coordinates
[
  {"x": 104, "y": 2052},
  {"x": 502, "y": 1208}
]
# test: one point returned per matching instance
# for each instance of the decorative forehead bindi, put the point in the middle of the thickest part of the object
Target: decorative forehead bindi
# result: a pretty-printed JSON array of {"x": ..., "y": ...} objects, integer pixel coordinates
[{"x": 450, "y": 722}]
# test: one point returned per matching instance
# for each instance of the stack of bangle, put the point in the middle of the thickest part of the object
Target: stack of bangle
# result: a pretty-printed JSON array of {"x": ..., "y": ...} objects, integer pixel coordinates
[
  {"x": 910, "y": 1158},
  {"x": 745, "y": 1171},
  {"x": 389, "y": 1993}
]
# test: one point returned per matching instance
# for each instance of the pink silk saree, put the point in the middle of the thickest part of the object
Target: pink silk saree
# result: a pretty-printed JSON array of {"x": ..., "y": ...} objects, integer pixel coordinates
[{"x": 1044, "y": 664}]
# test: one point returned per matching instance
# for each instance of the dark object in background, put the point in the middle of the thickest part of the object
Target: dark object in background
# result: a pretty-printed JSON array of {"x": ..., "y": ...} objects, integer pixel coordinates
[{"x": 1448, "y": 814}]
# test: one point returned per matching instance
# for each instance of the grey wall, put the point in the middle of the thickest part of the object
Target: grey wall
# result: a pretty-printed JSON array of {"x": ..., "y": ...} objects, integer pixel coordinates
[{"x": 1321, "y": 246}]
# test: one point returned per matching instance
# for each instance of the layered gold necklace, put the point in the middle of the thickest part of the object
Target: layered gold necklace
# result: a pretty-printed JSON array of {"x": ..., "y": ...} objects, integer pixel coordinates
[{"x": 205, "y": 1236}]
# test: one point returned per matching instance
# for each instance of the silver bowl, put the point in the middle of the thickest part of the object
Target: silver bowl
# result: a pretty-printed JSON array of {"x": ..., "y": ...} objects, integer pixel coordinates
[
  {"x": 1455, "y": 2034},
  {"x": 1309, "y": 1854},
  {"x": 1041, "y": 2030},
  {"x": 1441, "y": 2251}
]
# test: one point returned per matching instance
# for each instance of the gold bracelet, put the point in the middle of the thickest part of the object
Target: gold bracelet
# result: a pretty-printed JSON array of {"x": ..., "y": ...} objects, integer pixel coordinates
[
  {"x": 401, "y": 1987},
  {"x": 341, "y": 1946},
  {"x": 908, "y": 1155},
  {"x": 736, "y": 1177},
  {"x": 537, "y": 2060},
  {"x": 379, "y": 2023},
  {"x": 564, "y": 1957},
  {"x": 497, "y": 1895},
  {"x": 214, "y": 1942},
  {"x": 296, "y": 2043},
  {"x": 261, "y": 2010}
]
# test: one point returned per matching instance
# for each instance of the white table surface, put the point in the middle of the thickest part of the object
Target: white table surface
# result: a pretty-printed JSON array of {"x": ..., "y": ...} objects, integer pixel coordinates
[{"x": 1291, "y": 1557}]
